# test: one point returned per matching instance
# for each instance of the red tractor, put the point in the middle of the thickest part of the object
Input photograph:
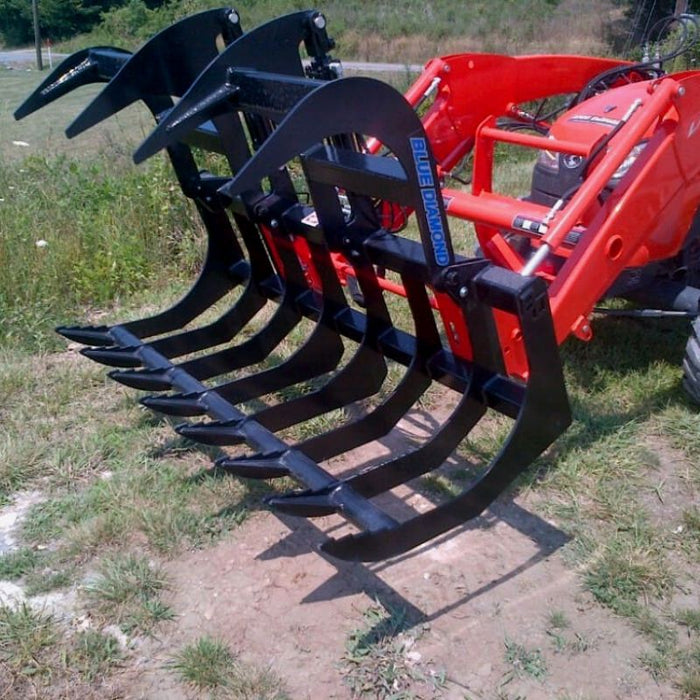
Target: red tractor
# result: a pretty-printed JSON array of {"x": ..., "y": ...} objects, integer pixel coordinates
[{"x": 338, "y": 199}]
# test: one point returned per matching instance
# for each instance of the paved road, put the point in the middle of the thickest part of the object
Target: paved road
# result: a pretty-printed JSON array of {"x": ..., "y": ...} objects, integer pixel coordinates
[{"x": 27, "y": 57}]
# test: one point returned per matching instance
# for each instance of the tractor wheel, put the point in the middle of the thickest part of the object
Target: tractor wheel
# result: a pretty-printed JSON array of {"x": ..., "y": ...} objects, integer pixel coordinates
[{"x": 691, "y": 364}]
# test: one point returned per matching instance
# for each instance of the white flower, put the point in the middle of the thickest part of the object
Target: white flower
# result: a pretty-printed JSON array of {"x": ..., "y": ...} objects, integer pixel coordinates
[{"x": 41, "y": 243}]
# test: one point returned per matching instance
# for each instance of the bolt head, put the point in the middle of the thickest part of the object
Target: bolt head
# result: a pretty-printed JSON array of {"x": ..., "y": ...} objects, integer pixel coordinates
[
  {"x": 233, "y": 17},
  {"x": 463, "y": 292},
  {"x": 274, "y": 223},
  {"x": 320, "y": 21}
]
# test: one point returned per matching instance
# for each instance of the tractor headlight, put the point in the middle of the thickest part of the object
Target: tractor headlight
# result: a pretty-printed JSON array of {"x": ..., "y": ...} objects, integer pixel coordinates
[{"x": 626, "y": 164}]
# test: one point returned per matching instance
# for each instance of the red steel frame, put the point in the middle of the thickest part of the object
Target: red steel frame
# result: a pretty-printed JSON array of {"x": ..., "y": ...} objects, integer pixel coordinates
[{"x": 645, "y": 218}]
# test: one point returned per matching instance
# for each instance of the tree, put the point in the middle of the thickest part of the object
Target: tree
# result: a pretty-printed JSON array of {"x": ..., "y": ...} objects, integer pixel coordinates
[
  {"x": 58, "y": 19},
  {"x": 645, "y": 13}
]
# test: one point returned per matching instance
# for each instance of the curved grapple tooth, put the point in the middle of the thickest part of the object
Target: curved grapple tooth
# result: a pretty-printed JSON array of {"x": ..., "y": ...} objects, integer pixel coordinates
[
  {"x": 306, "y": 504},
  {"x": 218, "y": 433},
  {"x": 114, "y": 356},
  {"x": 144, "y": 379},
  {"x": 87, "y": 335},
  {"x": 189, "y": 46},
  {"x": 260, "y": 466},
  {"x": 176, "y": 404},
  {"x": 94, "y": 65},
  {"x": 209, "y": 94}
]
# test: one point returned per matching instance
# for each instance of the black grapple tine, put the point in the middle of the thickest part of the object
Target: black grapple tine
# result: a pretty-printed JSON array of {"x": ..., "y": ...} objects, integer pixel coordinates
[
  {"x": 166, "y": 65},
  {"x": 230, "y": 359},
  {"x": 114, "y": 355},
  {"x": 95, "y": 335},
  {"x": 434, "y": 451},
  {"x": 251, "y": 351},
  {"x": 361, "y": 377},
  {"x": 272, "y": 47},
  {"x": 94, "y": 65},
  {"x": 543, "y": 416},
  {"x": 228, "y": 259},
  {"x": 320, "y": 354}
]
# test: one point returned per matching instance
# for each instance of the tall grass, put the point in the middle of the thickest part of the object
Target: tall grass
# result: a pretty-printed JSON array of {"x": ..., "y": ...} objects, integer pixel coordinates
[
  {"x": 79, "y": 233},
  {"x": 401, "y": 31}
]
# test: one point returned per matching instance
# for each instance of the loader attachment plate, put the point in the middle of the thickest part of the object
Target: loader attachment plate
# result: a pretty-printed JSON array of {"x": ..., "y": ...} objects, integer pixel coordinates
[{"x": 296, "y": 218}]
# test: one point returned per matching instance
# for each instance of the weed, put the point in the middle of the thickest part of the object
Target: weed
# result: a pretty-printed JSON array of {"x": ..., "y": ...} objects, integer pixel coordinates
[
  {"x": 48, "y": 580},
  {"x": 690, "y": 618},
  {"x": 691, "y": 522},
  {"x": 525, "y": 661},
  {"x": 14, "y": 565},
  {"x": 127, "y": 590},
  {"x": 689, "y": 685},
  {"x": 558, "y": 620},
  {"x": 93, "y": 654},
  {"x": 410, "y": 30},
  {"x": 26, "y": 637},
  {"x": 209, "y": 664},
  {"x": 631, "y": 564},
  {"x": 205, "y": 664},
  {"x": 378, "y": 660},
  {"x": 105, "y": 231}
]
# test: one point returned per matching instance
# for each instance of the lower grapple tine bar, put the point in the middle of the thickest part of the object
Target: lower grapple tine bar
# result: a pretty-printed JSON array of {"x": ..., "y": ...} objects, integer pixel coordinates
[
  {"x": 544, "y": 415},
  {"x": 386, "y": 476},
  {"x": 384, "y": 417},
  {"x": 361, "y": 377}
]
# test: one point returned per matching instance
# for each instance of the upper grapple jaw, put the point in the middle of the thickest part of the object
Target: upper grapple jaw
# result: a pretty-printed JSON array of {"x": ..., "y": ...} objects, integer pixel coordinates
[
  {"x": 266, "y": 110},
  {"x": 272, "y": 48},
  {"x": 95, "y": 65},
  {"x": 189, "y": 45}
]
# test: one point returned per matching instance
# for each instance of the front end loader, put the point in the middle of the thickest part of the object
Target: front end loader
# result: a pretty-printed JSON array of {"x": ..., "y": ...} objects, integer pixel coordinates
[{"x": 337, "y": 204}]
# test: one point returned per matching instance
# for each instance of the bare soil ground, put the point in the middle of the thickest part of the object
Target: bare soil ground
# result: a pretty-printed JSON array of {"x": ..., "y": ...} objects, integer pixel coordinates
[{"x": 468, "y": 598}]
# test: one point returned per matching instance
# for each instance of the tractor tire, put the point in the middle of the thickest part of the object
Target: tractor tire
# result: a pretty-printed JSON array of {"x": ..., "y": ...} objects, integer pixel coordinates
[{"x": 691, "y": 364}]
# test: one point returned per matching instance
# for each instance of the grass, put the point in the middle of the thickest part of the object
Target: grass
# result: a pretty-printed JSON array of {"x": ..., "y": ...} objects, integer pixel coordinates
[
  {"x": 127, "y": 589},
  {"x": 379, "y": 661},
  {"x": 405, "y": 32},
  {"x": 95, "y": 654},
  {"x": 40, "y": 657},
  {"x": 14, "y": 565},
  {"x": 26, "y": 638},
  {"x": 82, "y": 241},
  {"x": 209, "y": 665},
  {"x": 525, "y": 661}
]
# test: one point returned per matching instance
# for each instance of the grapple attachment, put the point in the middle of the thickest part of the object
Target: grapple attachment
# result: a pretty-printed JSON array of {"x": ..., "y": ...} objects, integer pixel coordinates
[{"x": 352, "y": 146}]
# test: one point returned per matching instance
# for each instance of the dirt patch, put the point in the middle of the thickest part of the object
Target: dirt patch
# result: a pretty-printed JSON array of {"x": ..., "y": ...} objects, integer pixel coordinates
[
  {"x": 477, "y": 601},
  {"x": 279, "y": 603}
]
